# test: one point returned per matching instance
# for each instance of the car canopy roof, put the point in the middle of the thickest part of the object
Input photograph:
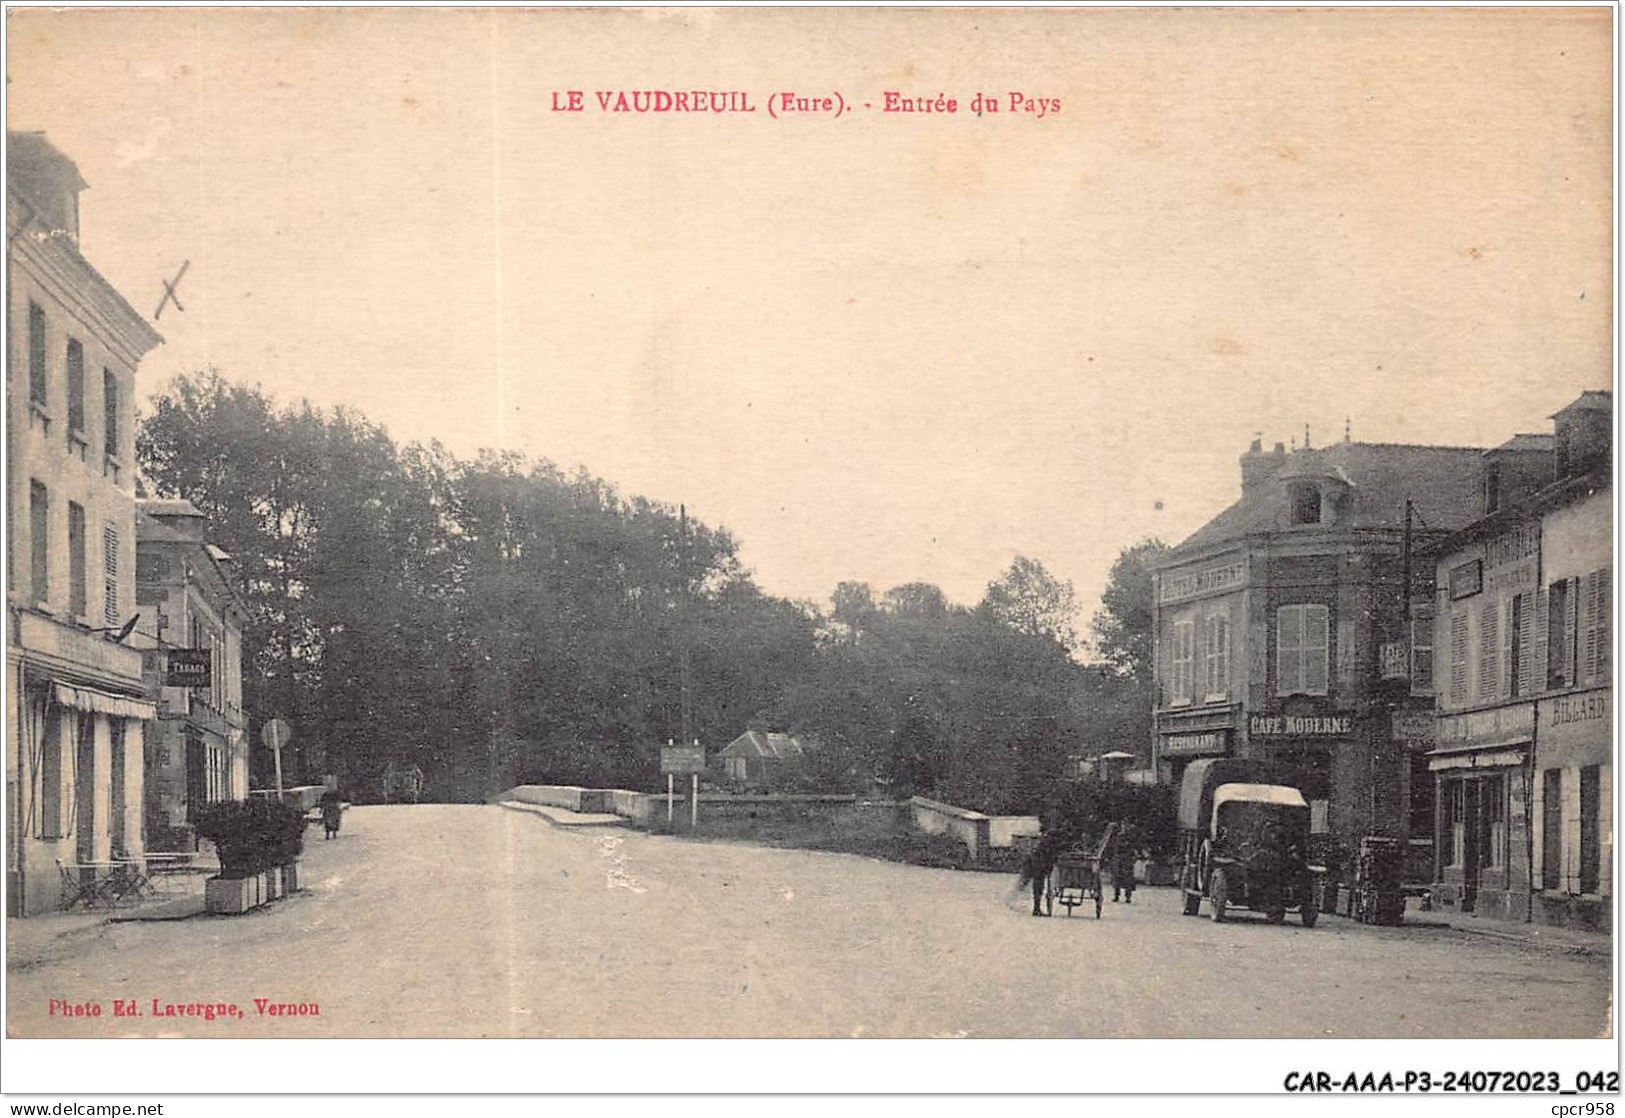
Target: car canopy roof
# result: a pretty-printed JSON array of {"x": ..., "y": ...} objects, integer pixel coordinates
[{"x": 1204, "y": 776}]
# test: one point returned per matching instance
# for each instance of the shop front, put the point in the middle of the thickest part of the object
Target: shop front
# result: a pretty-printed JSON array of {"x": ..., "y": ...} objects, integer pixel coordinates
[
  {"x": 1481, "y": 766},
  {"x": 1184, "y": 738},
  {"x": 1574, "y": 796}
]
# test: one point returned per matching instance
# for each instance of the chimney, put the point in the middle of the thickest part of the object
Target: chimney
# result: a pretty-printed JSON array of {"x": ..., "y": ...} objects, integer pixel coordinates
[{"x": 1258, "y": 467}]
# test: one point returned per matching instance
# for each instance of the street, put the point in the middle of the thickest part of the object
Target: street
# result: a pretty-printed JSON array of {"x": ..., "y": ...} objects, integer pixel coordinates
[{"x": 475, "y": 921}]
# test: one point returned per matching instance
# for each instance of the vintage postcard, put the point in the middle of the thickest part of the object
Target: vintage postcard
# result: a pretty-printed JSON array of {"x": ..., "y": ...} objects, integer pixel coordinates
[{"x": 607, "y": 524}]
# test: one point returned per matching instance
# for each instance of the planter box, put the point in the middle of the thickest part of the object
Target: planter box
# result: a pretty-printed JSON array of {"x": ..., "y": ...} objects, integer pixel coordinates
[
  {"x": 233, "y": 896},
  {"x": 273, "y": 883},
  {"x": 290, "y": 878}
]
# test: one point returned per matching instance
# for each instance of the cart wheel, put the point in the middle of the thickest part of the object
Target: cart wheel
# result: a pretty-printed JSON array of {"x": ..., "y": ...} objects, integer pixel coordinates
[
  {"x": 1193, "y": 904},
  {"x": 1218, "y": 895},
  {"x": 1097, "y": 905}
]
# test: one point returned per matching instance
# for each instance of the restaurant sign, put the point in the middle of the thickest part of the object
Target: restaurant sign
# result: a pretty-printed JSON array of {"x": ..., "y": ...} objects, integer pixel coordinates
[
  {"x": 1466, "y": 579},
  {"x": 1496, "y": 726},
  {"x": 1207, "y": 743},
  {"x": 1213, "y": 580},
  {"x": 1300, "y": 726}
]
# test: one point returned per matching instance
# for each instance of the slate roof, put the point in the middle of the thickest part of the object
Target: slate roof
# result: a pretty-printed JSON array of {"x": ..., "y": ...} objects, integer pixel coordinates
[
  {"x": 756, "y": 743},
  {"x": 1442, "y": 482}
]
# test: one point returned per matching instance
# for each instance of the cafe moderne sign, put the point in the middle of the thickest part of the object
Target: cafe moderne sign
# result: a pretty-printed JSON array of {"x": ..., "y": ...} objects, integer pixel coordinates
[{"x": 1300, "y": 726}]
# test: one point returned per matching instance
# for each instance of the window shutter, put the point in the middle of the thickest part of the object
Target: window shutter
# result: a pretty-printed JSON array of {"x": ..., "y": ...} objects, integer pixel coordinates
[
  {"x": 1289, "y": 650},
  {"x": 1526, "y": 639},
  {"x": 1571, "y": 629},
  {"x": 1604, "y": 652},
  {"x": 110, "y": 567},
  {"x": 1488, "y": 647},
  {"x": 1588, "y": 628},
  {"x": 1538, "y": 670},
  {"x": 1458, "y": 658},
  {"x": 1316, "y": 647}
]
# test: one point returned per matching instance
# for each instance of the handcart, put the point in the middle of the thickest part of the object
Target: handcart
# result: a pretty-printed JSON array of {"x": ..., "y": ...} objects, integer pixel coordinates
[{"x": 1075, "y": 879}]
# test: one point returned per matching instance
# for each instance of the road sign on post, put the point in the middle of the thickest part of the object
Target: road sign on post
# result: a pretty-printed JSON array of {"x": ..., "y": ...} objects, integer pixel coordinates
[
  {"x": 676, "y": 759},
  {"x": 275, "y": 734}
]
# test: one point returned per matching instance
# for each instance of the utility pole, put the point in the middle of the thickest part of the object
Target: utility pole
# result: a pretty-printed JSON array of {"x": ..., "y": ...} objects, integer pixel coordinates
[{"x": 683, "y": 627}]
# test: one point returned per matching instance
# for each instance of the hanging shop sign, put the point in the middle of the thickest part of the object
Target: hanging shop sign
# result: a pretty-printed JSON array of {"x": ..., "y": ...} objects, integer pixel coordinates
[{"x": 188, "y": 667}]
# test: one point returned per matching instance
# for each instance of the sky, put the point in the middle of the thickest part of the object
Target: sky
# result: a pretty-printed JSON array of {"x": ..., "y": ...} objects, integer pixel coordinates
[{"x": 875, "y": 346}]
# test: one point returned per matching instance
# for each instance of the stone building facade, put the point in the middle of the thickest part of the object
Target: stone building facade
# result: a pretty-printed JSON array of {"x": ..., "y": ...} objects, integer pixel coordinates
[{"x": 76, "y": 726}]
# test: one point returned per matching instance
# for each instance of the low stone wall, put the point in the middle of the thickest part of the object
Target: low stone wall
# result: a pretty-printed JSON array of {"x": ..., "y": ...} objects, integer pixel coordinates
[
  {"x": 549, "y": 795},
  {"x": 934, "y": 818},
  {"x": 1004, "y": 830}
]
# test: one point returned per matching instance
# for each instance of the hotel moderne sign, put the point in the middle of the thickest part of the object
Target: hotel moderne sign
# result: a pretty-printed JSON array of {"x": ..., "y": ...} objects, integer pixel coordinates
[{"x": 1196, "y": 584}]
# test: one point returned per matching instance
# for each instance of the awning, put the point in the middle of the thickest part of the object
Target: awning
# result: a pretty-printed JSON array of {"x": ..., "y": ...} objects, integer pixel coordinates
[
  {"x": 100, "y": 702},
  {"x": 1497, "y": 760}
]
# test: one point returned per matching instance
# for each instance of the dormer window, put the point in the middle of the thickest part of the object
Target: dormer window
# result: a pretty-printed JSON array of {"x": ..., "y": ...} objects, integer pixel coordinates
[{"x": 1305, "y": 504}]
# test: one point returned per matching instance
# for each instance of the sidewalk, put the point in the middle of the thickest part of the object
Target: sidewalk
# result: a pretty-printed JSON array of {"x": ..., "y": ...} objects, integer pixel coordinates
[
  {"x": 564, "y": 817},
  {"x": 1571, "y": 941}
]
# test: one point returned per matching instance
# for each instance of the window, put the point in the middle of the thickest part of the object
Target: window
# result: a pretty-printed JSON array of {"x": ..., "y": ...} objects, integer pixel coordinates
[
  {"x": 1551, "y": 830},
  {"x": 51, "y": 770},
  {"x": 110, "y": 413},
  {"x": 1184, "y": 660},
  {"x": 1458, "y": 658},
  {"x": 78, "y": 595},
  {"x": 1422, "y": 798},
  {"x": 1422, "y": 656},
  {"x": 110, "y": 571},
  {"x": 1590, "y": 835},
  {"x": 1217, "y": 673},
  {"x": 1305, "y": 504},
  {"x": 1489, "y": 648},
  {"x": 1455, "y": 819},
  {"x": 116, "y": 815},
  {"x": 76, "y": 391},
  {"x": 1301, "y": 649},
  {"x": 36, "y": 355},
  {"x": 1492, "y": 799},
  {"x": 1560, "y": 634},
  {"x": 39, "y": 541}
]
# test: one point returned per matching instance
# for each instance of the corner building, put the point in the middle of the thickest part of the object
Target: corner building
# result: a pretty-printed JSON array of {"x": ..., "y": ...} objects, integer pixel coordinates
[{"x": 1283, "y": 630}]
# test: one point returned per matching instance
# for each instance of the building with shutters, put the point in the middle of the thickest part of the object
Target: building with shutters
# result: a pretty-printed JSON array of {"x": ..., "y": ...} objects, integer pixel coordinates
[
  {"x": 76, "y": 727},
  {"x": 1522, "y": 755},
  {"x": 1283, "y": 630},
  {"x": 192, "y": 617}
]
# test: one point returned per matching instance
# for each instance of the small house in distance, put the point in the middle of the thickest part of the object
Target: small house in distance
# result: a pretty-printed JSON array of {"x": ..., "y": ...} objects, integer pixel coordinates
[{"x": 755, "y": 755}]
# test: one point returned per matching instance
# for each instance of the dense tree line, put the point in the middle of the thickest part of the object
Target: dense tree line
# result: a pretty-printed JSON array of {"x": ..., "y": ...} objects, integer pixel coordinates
[{"x": 497, "y": 620}]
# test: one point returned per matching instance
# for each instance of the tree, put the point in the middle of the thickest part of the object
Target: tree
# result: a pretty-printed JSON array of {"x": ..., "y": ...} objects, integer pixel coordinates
[
  {"x": 1030, "y": 600},
  {"x": 1122, "y": 626}
]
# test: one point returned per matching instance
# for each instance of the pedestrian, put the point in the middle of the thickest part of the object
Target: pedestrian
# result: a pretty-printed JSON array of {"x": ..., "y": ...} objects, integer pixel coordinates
[
  {"x": 1040, "y": 861},
  {"x": 1120, "y": 861},
  {"x": 332, "y": 811}
]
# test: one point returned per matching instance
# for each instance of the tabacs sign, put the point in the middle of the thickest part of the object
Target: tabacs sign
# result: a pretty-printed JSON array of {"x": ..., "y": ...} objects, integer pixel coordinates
[{"x": 188, "y": 667}]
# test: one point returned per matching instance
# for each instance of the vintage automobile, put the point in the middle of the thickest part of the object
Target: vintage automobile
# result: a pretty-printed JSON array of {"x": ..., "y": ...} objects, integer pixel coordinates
[{"x": 1244, "y": 832}]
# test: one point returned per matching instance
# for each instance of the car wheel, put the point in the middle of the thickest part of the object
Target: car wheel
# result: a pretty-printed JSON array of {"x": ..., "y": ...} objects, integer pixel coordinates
[{"x": 1218, "y": 895}]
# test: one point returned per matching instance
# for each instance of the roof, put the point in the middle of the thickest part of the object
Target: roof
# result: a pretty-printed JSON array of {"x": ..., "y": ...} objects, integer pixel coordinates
[
  {"x": 1441, "y": 482},
  {"x": 168, "y": 506},
  {"x": 1589, "y": 401},
  {"x": 26, "y": 151},
  {"x": 1259, "y": 794},
  {"x": 1563, "y": 491},
  {"x": 757, "y": 743},
  {"x": 1526, "y": 442}
]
